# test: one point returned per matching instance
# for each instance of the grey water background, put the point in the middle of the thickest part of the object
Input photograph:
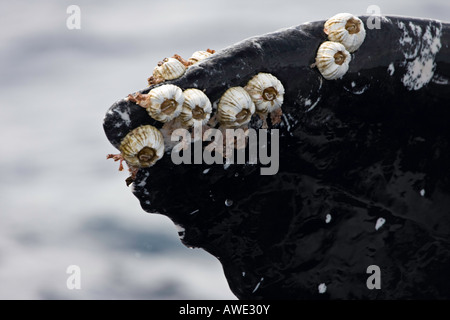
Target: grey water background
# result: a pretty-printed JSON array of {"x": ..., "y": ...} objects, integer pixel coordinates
[{"x": 61, "y": 202}]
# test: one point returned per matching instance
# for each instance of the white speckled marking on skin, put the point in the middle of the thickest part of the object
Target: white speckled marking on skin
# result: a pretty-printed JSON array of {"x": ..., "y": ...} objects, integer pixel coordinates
[
  {"x": 380, "y": 223},
  {"x": 439, "y": 80},
  {"x": 314, "y": 105},
  {"x": 391, "y": 69},
  {"x": 143, "y": 182},
  {"x": 307, "y": 102},
  {"x": 422, "y": 46},
  {"x": 322, "y": 288},
  {"x": 328, "y": 218},
  {"x": 287, "y": 123},
  {"x": 256, "y": 44},
  {"x": 180, "y": 229},
  {"x": 124, "y": 115},
  {"x": 422, "y": 192},
  {"x": 357, "y": 92},
  {"x": 257, "y": 286}
]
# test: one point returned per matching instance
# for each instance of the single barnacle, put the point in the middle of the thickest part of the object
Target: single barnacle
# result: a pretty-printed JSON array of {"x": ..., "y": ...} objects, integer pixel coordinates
[
  {"x": 142, "y": 147},
  {"x": 168, "y": 69},
  {"x": 347, "y": 29},
  {"x": 164, "y": 103},
  {"x": 266, "y": 92},
  {"x": 200, "y": 55},
  {"x": 196, "y": 108},
  {"x": 332, "y": 60},
  {"x": 235, "y": 108}
]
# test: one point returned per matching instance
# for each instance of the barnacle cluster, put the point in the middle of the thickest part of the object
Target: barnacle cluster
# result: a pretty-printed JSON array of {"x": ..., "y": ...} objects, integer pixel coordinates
[
  {"x": 176, "y": 66},
  {"x": 191, "y": 109},
  {"x": 346, "y": 34}
]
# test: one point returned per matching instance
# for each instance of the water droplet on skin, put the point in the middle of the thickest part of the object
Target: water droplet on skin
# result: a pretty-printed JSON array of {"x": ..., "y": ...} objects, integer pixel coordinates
[{"x": 228, "y": 202}]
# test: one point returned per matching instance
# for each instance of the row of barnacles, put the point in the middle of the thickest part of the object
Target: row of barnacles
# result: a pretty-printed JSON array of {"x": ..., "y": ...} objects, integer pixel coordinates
[
  {"x": 346, "y": 34},
  {"x": 191, "y": 109}
]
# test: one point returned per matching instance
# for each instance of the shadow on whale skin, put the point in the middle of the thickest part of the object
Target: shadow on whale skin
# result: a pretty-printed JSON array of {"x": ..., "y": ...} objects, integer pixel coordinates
[{"x": 355, "y": 152}]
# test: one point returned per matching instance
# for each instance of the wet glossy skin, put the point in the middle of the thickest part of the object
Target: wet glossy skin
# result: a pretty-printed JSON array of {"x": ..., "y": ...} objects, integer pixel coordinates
[{"x": 360, "y": 148}]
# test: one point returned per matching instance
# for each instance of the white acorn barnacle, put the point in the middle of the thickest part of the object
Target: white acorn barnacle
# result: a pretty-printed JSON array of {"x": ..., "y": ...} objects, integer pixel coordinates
[
  {"x": 165, "y": 102},
  {"x": 332, "y": 60},
  {"x": 196, "y": 108},
  {"x": 199, "y": 56},
  {"x": 169, "y": 69},
  {"x": 142, "y": 147},
  {"x": 266, "y": 92},
  {"x": 235, "y": 108},
  {"x": 347, "y": 29}
]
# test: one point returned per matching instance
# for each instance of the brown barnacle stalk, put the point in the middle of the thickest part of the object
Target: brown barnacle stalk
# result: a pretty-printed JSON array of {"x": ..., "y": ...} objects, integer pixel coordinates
[
  {"x": 140, "y": 99},
  {"x": 275, "y": 116},
  {"x": 116, "y": 157},
  {"x": 263, "y": 118},
  {"x": 183, "y": 61},
  {"x": 211, "y": 51},
  {"x": 154, "y": 80},
  {"x": 133, "y": 171}
]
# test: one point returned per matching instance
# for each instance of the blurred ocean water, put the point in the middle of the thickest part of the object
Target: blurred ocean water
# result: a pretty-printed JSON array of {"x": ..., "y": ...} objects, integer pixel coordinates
[{"x": 61, "y": 202}]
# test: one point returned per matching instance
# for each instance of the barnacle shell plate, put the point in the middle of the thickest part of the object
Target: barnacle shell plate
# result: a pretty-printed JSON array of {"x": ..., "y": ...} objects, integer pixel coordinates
[
  {"x": 266, "y": 92},
  {"x": 165, "y": 102},
  {"x": 332, "y": 60},
  {"x": 199, "y": 56},
  {"x": 196, "y": 108},
  {"x": 170, "y": 69},
  {"x": 235, "y": 108},
  {"x": 142, "y": 147},
  {"x": 347, "y": 29}
]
